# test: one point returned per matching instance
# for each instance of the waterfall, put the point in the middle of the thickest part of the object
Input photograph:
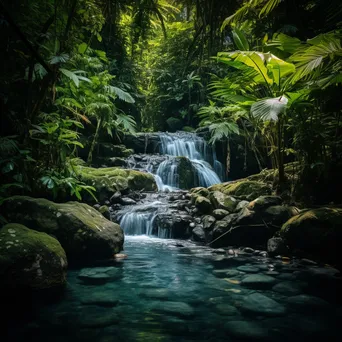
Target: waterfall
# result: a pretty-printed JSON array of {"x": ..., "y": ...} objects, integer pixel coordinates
[{"x": 202, "y": 160}]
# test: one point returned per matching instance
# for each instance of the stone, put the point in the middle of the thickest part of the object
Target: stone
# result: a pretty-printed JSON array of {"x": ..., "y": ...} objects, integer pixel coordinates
[
  {"x": 277, "y": 215},
  {"x": 91, "y": 317},
  {"x": 277, "y": 246},
  {"x": 115, "y": 199},
  {"x": 307, "y": 303},
  {"x": 81, "y": 230},
  {"x": 224, "y": 273},
  {"x": 208, "y": 222},
  {"x": 246, "y": 330},
  {"x": 263, "y": 202},
  {"x": 198, "y": 234},
  {"x": 248, "y": 269},
  {"x": 249, "y": 250},
  {"x": 241, "y": 205},
  {"x": 110, "y": 150},
  {"x": 127, "y": 201},
  {"x": 103, "y": 298},
  {"x": 258, "y": 281},
  {"x": 317, "y": 232},
  {"x": 222, "y": 201},
  {"x": 259, "y": 304},
  {"x": 220, "y": 213},
  {"x": 104, "y": 210},
  {"x": 30, "y": 259},
  {"x": 174, "y": 308},
  {"x": 186, "y": 172},
  {"x": 200, "y": 191},
  {"x": 243, "y": 189},
  {"x": 203, "y": 205},
  {"x": 227, "y": 310},
  {"x": 287, "y": 288},
  {"x": 99, "y": 275},
  {"x": 156, "y": 293}
]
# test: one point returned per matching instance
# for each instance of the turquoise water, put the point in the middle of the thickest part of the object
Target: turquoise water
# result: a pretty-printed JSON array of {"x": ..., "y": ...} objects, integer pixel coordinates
[{"x": 169, "y": 290}]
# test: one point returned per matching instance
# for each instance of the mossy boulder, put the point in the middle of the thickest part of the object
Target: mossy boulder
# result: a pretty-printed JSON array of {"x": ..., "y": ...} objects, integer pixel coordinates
[
  {"x": 104, "y": 210},
  {"x": 317, "y": 232},
  {"x": 264, "y": 202},
  {"x": 243, "y": 189},
  {"x": 30, "y": 259},
  {"x": 203, "y": 205},
  {"x": 81, "y": 230},
  {"x": 174, "y": 124},
  {"x": 223, "y": 201},
  {"x": 110, "y": 150},
  {"x": 108, "y": 180}
]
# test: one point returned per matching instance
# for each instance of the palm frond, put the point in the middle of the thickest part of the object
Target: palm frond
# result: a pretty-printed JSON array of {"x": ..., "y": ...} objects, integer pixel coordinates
[
  {"x": 121, "y": 94},
  {"x": 269, "y": 109},
  {"x": 222, "y": 130}
]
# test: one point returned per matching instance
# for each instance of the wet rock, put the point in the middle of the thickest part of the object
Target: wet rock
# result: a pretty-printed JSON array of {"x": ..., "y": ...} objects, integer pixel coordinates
[
  {"x": 176, "y": 221},
  {"x": 127, "y": 201},
  {"x": 93, "y": 318},
  {"x": 116, "y": 197},
  {"x": 104, "y": 210},
  {"x": 227, "y": 310},
  {"x": 287, "y": 288},
  {"x": 246, "y": 330},
  {"x": 248, "y": 269},
  {"x": 103, "y": 298},
  {"x": 203, "y": 205},
  {"x": 307, "y": 303},
  {"x": 30, "y": 259},
  {"x": 99, "y": 275},
  {"x": 241, "y": 205},
  {"x": 222, "y": 201},
  {"x": 248, "y": 250},
  {"x": 277, "y": 246},
  {"x": 258, "y": 304},
  {"x": 208, "y": 222},
  {"x": 220, "y": 213},
  {"x": 198, "y": 234},
  {"x": 263, "y": 202},
  {"x": 258, "y": 281},
  {"x": 174, "y": 308},
  {"x": 156, "y": 293},
  {"x": 223, "y": 273},
  {"x": 200, "y": 191},
  {"x": 277, "y": 215}
]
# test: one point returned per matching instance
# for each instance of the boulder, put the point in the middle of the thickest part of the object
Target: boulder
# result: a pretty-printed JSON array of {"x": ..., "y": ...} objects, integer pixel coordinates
[
  {"x": 317, "y": 232},
  {"x": 277, "y": 246},
  {"x": 241, "y": 205},
  {"x": 208, "y": 222},
  {"x": 30, "y": 259},
  {"x": 258, "y": 281},
  {"x": 104, "y": 210},
  {"x": 220, "y": 213},
  {"x": 81, "y": 230},
  {"x": 108, "y": 180},
  {"x": 243, "y": 189},
  {"x": 203, "y": 205},
  {"x": 258, "y": 304},
  {"x": 110, "y": 150},
  {"x": 198, "y": 234},
  {"x": 186, "y": 173},
  {"x": 277, "y": 215},
  {"x": 222, "y": 201},
  {"x": 200, "y": 191},
  {"x": 175, "y": 221},
  {"x": 263, "y": 202}
]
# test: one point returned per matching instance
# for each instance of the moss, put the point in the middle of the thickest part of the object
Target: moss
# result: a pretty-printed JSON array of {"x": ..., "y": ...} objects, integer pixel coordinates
[
  {"x": 243, "y": 189},
  {"x": 110, "y": 150},
  {"x": 188, "y": 129},
  {"x": 82, "y": 231},
  {"x": 200, "y": 191},
  {"x": 30, "y": 258},
  {"x": 203, "y": 205}
]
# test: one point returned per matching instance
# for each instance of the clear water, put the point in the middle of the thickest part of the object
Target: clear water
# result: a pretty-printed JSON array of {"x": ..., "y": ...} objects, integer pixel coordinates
[{"x": 169, "y": 290}]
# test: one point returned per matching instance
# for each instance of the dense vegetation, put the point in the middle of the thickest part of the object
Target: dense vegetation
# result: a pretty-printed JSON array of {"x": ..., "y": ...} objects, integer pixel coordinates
[{"x": 76, "y": 72}]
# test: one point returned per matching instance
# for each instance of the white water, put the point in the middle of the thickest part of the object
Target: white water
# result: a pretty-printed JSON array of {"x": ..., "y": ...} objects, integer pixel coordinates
[{"x": 198, "y": 152}]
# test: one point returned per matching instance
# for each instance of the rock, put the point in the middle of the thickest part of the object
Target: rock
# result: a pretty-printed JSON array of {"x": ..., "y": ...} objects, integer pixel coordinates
[
  {"x": 224, "y": 273},
  {"x": 249, "y": 250},
  {"x": 241, "y": 205},
  {"x": 277, "y": 246},
  {"x": 103, "y": 298},
  {"x": 94, "y": 317},
  {"x": 246, "y": 330},
  {"x": 227, "y": 310},
  {"x": 127, "y": 201},
  {"x": 307, "y": 303},
  {"x": 243, "y": 189},
  {"x": 317, "y": 232},
  {"x": 220, "y": 213},
  {"x": 177, "y": 222},
  {"x": 110, "y": 150},
  {"x": 156, "y": 293},
  {"x": 208, "y": 222},
  {"x": 174, "y": 124},
  {"x": 97, "y": 206},
  {"x": 277, "y": 215},
  {"x": 203, "y": 205},
  {"x": 287, "y": 288},
  {"x": 104, "y": 210},
  {"x": 258, "y": 304},
  {"x": 115, "y": 199},
  {"x": 222, "y": 201},
  {"x": 174, "y": 308},
  {"x": 30, "y": 259},
  {"x": 248, "y": 269},
  {"x": 198, "y": 234},
  {"x": 200, "y": 191},
  {"x": 258, "y": 281},
  {"x": 99, "y": 275},
  {"x": 108, "y": 180},
  {"x": 263, "y": 202},
  {"x": 81, "y": 230},
  {"x": 186, "y": 173}
]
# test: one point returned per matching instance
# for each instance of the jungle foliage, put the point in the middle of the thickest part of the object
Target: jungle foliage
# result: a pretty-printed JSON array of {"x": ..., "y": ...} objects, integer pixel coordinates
[{"x": 79, "y": 72}]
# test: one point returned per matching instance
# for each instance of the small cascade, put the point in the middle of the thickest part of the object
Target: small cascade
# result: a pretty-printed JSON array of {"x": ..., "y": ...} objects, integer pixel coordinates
[{"x": 199, "y": 159}]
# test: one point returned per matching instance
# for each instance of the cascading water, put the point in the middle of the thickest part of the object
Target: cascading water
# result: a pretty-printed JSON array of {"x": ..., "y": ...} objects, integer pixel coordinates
[
  {"x": 185, "y": 161},
  {"x": 197, "y": 152}
]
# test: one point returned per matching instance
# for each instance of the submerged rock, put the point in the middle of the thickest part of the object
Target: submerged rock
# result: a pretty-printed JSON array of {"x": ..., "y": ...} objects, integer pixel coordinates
[
  {"x": 30, "y": 259},
  {"x": 258, "y": 304},
  {"x": 174, "y": 308},
  {"x": 258, "y": 281},
  {"x": 81, "y": 230},
  {"x": 246, "y": 330},
  {"x": 99, "y": 275}
]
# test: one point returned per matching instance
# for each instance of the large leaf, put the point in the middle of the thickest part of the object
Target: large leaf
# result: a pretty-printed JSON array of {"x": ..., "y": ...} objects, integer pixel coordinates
[
  {"x": 279, "y": 68},
  {"x": 269, "y": 109},
  {"x": 121, "y": 94},
  {"x": 70, "y": 75},
  {"x": 284, "y": 42},
  {"x": 240, "y": 40},
  {"x": 269, "y": 6},
  {"x": 223, "y": 130}
]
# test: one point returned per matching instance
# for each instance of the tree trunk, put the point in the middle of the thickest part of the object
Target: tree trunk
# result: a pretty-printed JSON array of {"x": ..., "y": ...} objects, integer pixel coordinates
[{"x": 90, "y": 154}]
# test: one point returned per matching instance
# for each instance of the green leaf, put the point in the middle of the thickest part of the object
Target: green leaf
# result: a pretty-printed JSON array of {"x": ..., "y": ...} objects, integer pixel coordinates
[
  {"x": 71, "y": 75},
  {"x": 8, "y": 167},
  {"x": 240, "y": 40},
  {"x": 121, "y": 94},
  {"x": 269, "y": 109},
  {"x": 82, "y": 48}
]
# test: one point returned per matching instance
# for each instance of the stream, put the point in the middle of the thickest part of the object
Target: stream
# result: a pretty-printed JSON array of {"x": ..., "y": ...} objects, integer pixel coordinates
[{"x": 172, "y": 290}]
